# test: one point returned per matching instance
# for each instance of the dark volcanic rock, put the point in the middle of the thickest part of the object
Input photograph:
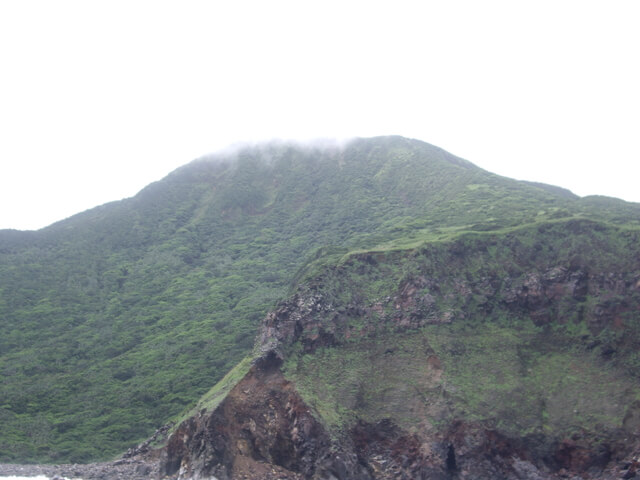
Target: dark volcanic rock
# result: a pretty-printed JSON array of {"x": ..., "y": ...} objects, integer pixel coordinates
[{"x": 262, "y": 429}]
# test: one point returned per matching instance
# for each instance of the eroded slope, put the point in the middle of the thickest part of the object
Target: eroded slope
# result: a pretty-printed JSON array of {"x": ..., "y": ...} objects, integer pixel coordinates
[{"x": 494, "y": 355}]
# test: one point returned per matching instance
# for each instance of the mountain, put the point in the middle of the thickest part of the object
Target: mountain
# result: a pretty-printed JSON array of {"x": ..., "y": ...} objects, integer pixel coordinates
[{"x": 115, "y": 321}]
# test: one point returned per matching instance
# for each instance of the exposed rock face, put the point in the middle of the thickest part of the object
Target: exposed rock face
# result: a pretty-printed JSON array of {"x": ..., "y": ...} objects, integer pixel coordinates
[
  {"x": 545, "y": 296},
  {"x": 262, "y": 429},
  {"x": 265, "y": 431}
]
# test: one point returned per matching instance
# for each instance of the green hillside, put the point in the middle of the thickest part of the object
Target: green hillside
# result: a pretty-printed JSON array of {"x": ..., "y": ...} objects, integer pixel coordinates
[{"x": 115, "y": 320}]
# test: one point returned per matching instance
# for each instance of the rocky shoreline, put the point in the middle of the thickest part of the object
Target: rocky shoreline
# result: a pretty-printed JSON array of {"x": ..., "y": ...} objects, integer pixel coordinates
[{"x": 133, "y": 469}]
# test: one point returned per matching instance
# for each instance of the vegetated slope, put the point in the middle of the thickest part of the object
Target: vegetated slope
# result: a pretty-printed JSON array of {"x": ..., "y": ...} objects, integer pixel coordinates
[
  {"x": 512, "y": 354},
  {"x": 114, "y": 320}
]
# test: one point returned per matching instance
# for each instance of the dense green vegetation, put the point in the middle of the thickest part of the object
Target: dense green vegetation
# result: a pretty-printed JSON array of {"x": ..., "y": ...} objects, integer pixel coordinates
[{"x": 116, "y": 320}]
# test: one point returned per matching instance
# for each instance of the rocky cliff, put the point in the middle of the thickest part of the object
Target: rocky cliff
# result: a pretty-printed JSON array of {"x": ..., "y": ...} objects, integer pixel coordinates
[{"x": 511, "y": 354}]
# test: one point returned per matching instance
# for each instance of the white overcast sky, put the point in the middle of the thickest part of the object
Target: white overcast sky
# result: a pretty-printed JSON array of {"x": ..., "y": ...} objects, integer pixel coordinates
[{"x": 100, "y": 98}]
